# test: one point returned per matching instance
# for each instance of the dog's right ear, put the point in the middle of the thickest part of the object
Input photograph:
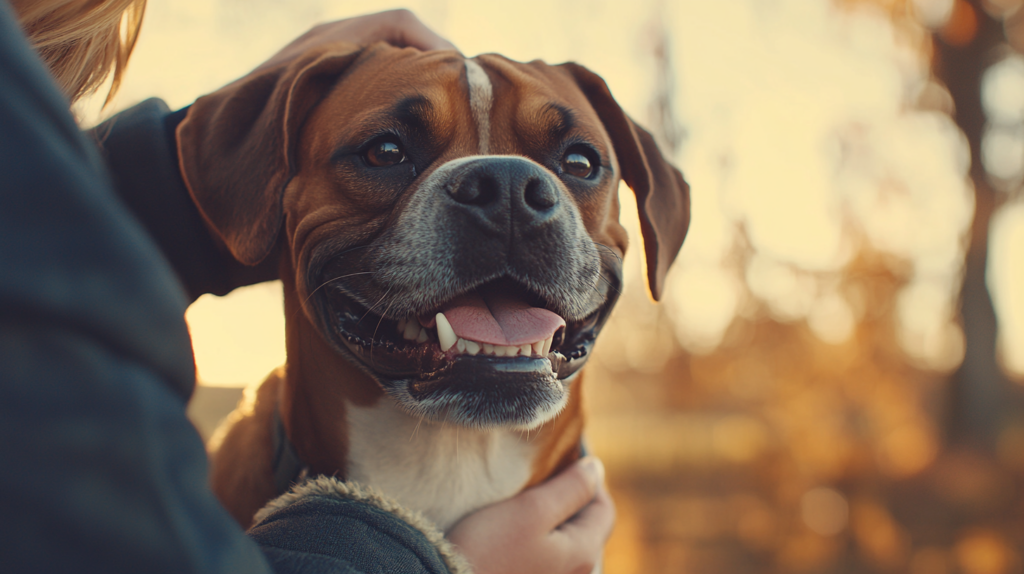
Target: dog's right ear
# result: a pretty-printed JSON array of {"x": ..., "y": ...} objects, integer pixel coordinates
[{"x": 236, "y": 146}]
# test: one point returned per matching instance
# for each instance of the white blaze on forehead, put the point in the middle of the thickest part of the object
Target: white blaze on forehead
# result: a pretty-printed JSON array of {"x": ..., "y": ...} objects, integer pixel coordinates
[{"x": 480, "y": 96}]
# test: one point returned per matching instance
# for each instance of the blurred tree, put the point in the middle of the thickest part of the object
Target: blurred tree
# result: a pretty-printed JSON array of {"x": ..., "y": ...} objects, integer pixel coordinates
[
  {"x": 662, "y": 119},
  {"x": 965, "y": 47}
]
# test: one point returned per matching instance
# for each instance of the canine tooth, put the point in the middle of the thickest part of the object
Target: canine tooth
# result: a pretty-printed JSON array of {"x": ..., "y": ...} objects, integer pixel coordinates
[
  {"x": 472, "y": 347},
  {"x": 547, "y": 346},
  {"x": 524, "y": 350},
  {"x": 412, "y": 330},
  {"x": 461, "y": 345},
  {"x": 401, "y": 325},
  {"x": 445, "y": 333},
  {"x": 488, "y": 349},
  {"x": 538, "y": 348},
  {"x": 423, "y": 336}
]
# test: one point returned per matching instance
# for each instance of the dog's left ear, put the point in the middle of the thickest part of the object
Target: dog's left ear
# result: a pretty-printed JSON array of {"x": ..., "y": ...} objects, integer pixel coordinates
[{"x": 662, "y": 195}]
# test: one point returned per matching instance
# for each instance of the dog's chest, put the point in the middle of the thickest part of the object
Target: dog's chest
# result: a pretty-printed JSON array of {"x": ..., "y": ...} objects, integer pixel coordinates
[{"x": 445, "y": 472}]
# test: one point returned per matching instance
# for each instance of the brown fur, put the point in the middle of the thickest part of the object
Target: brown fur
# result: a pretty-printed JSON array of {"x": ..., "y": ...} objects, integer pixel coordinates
[
  {"x": 240, "y": 458},
  {"x": 256, "y": 157}
]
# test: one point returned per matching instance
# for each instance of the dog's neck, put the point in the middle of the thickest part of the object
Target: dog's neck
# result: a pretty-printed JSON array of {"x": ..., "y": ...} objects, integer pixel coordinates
[{"x": 443, "y": 471}]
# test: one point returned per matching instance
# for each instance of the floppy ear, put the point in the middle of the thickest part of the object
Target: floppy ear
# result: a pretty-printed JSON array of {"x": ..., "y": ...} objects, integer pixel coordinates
[
  {"x": 662, "y": 195},
  {"x": 236, "y": 146}
]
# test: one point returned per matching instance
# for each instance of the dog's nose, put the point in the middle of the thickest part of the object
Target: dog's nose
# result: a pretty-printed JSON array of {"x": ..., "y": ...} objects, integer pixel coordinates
[{"x": 497, "y": 188}]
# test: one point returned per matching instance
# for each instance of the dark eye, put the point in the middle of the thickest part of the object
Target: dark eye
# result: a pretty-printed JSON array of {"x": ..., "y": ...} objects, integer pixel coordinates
[
  {"x": 384, "y": 153},
  {"x": 579, "y": 162}
]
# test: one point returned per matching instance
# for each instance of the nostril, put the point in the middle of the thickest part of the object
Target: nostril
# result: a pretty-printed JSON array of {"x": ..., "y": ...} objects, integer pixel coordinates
[
  {"x": 475, "y": 191},
  {"x": 539, "y": 194}
]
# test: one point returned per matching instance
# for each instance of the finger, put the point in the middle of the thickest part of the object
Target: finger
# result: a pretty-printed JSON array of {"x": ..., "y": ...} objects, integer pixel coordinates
[
  {"x": 555, "y": 501},
  {"x": 595, "y": 521},
  {"x": 408, "y": 30}
]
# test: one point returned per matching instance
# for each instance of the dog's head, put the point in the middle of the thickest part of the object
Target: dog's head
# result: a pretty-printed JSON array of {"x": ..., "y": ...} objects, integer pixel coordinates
[{"x": 452, "y": 224}]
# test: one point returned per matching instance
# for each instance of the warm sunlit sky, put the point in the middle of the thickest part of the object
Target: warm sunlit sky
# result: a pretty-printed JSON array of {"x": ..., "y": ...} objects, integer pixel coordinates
[{"x": 801, "y": 124}]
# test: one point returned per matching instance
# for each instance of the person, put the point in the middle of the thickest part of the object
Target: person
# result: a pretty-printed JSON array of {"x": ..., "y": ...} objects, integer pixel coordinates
[{"x": 100, "y": 252}]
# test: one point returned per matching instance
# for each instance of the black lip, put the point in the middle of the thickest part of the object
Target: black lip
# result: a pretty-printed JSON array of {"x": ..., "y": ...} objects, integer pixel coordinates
[
  {"x": 484, "y": 391},
  {"x": 374, "y": 341}
]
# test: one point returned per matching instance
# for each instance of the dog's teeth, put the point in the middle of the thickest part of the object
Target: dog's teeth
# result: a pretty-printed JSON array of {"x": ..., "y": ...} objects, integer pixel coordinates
[
  {"x": 411, "y": 330},
  {"x": 547, "y": 346},
  {"x": 423, "y": 336},
  {"x": 472, "y": 347},
  {"x": 488, "y": 349},
  {"x": 524, "y": 350},
  {"x": 401, "y": 325},
  {"x": 445, "y": 333},
  {"x": 460, "y": 345},
  {"x": 538, "y": 348}
]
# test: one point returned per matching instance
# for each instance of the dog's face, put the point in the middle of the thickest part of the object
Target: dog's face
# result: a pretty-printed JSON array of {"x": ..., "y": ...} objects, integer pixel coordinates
[{"x": 452, "y": 224}]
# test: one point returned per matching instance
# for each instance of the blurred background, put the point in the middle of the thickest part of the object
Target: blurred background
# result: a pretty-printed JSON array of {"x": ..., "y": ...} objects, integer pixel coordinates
[{"x": 833, "y": 382}]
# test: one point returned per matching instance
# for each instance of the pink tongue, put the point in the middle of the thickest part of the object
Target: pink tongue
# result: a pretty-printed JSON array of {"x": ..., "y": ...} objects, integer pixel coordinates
[{"x": 498, "y": 319}]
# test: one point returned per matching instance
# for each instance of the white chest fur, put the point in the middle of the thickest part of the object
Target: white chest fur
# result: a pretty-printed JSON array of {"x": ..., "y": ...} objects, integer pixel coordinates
[{"x": 443, "y": 471}]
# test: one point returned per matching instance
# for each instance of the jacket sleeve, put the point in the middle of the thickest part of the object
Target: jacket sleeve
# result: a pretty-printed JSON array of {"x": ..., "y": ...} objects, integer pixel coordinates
[
  {"x": 368, "y": 532},
  {"x": 100, "y": 470},
  {"x": 141, "y": 152}
]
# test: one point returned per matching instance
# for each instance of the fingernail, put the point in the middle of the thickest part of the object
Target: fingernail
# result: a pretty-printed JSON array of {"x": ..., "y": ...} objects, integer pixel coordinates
[{"x": 594, "y": 469}]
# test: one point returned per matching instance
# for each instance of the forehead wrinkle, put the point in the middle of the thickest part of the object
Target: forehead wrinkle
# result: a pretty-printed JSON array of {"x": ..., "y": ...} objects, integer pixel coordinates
[
  {"x": 549, "y": 121},
  {"x": 560, "y": 120},
  {"x": 416, "y": 114}
]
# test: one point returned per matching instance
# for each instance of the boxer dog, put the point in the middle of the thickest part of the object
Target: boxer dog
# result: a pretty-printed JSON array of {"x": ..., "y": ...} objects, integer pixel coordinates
[{"x": 449, "y": 246}]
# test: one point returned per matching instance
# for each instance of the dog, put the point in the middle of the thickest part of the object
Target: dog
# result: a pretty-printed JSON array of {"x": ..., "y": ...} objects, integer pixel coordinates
[{"x": 449, "y": 246}]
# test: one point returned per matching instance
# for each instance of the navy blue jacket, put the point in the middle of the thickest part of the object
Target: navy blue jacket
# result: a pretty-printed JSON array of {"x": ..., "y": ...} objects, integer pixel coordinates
[{"x": 100, "y": 470}]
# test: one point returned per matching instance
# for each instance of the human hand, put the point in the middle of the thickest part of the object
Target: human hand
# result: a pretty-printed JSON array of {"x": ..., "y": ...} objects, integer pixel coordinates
[
  {"x": 558, "y": 527},
  {"x": 397, "y": 27}
]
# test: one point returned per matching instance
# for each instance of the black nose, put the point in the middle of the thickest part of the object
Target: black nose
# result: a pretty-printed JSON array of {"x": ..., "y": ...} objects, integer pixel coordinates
[{"x": 496, "y": 189}]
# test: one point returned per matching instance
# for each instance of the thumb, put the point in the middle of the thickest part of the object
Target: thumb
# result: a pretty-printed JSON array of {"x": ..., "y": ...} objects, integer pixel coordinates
[{"x": 561, "y": 497}]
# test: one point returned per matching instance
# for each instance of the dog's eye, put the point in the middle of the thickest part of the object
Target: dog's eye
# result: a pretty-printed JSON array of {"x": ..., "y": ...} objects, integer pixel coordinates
[
  {"x": 384, "y": 153},
  {"x": 578, "y": 162}
]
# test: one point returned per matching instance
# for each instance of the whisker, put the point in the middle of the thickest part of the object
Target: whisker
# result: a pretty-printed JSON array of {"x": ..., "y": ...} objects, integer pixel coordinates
[
  {"x": 370, "y": 310},
  {"x": 416, "y": 429},
  {"x": 609, "y": 250},
  {"x": 325, "y": 283},
  {"x": 609, "y": 283},
  {"x": 377, "y": 328}
]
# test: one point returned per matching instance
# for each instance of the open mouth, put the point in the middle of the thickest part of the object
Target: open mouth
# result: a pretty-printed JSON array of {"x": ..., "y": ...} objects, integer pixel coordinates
[
  {"x": 494, "y": 353},
  {"x": 500, "y": 320}
]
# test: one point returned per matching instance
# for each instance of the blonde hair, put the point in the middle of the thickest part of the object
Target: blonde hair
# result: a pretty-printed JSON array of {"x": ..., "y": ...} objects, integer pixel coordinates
[{"x": 82, "y": 41}]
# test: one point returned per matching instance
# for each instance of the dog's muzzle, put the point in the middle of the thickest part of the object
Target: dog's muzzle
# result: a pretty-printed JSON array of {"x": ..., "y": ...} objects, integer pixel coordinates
[{"x": 482, "y": 299}]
